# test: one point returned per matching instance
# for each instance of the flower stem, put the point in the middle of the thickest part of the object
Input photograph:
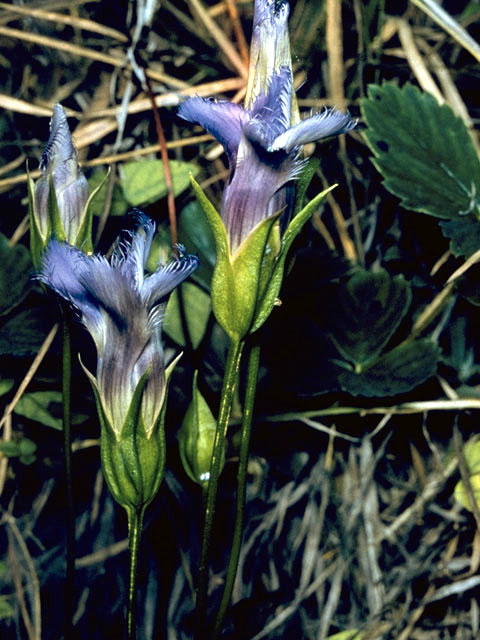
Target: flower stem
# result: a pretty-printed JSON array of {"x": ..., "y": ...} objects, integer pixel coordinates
[
  {"x": 67, "y": 453},
  {"x": 135, "y": 520},
  {"x": 252, "y": 376},
  {"x": 229, "y": 384}
]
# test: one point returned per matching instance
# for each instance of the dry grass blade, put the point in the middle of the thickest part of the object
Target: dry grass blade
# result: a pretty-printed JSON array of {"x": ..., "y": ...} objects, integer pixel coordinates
[
  {"x": 416, "y": 62},
  {"x": 61, "y": 18},
  {"x": 61, "y": 45},
  {"x": 217, "y": 34},
  {"x": 451, "y": 26}
]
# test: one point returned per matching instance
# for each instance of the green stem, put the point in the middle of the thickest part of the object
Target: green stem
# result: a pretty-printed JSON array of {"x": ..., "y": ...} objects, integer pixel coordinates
[
  {"x": 229, "y": 383},
  {"x": 135, "y": 520},
  {"x": 67, "y": 452},
  {"x": 252, "y": 377}
]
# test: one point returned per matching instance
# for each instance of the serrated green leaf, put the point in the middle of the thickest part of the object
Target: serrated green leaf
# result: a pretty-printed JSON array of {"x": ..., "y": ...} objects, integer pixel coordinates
[
  {"x": 143, "y": 181},
  {"x": 23, "y": 334},
  {"x": 398, "y": 371},
  {"x": 196, "y": 307},
  {"x": 464, "y": 235},
  {"x": 366, "y": 312},
  {"x": 37, "y": 406},
  {"x": 15, "y": 275},
  {"x": 423, "y": 150}
]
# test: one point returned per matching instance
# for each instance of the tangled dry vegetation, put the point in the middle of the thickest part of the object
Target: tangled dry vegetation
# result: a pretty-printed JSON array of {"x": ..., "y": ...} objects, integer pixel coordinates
[{"x": 352, "y": 523}]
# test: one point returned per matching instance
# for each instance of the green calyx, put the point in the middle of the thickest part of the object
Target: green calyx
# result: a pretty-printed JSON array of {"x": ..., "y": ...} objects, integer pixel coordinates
[
  {"x": 44, "y": 225},
  {"x": 196, "y": 438},
  {"x": 245, "y": 286},
  {"x": 133, "y": 460}
]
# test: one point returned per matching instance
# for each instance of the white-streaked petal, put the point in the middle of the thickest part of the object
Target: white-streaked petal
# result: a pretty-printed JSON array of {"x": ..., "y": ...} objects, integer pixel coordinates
[{"x": 327, "y": 123}]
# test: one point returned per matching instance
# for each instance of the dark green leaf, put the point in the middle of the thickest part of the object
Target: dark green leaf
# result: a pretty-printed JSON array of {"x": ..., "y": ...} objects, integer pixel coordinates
[
  {"x": 143, "y": 181},
  {"x": 423, "y": 150},
  {"x": 37, "y": 406},
  {"x": 196, "y": 307},
  {"x": 118, "y": 205},
  {"x": 398, "y": 371},
  {"x": 464, "y": 236},
  {"x": 366, "y": 312},
  {"x": 23, "y": 334},
  {"x": 195, "y": 233},
  {"x": 15, "y": 275}
]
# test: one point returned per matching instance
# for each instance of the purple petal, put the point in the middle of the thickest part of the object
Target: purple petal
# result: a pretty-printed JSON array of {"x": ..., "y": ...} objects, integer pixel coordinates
[
  {"x": 224, "y": 120},
  {"x": 166, "y": 278},
  {"x": 59, "y": 148},
  {"x": 131, "y": 254},
  {"x": 271, "y": 110},
  {"x": 270, "y": 46},
  {"x": 64, "y": 269},
  {"x": 328, "y": 123},
  {"x": 249, "y": 197}
]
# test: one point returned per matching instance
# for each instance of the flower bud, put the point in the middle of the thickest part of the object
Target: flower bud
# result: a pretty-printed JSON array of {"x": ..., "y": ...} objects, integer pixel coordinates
[
  {"x": 196, "y": 438},
  {"x": 59, "y": 198}
]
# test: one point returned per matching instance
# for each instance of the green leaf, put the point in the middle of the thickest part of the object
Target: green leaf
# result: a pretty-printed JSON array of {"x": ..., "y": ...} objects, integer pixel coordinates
[
  {"x": 143, "y": 181},
  {"x": 6, "y": 385},
  {"x": 23, "y": 334},
  {"x": 398, "y": 371},
  {"x": 196, "y": 307},
  {"x": 471, "y": 451},
  {"x": 98, "y": 180},
  {"x": 423, "y": 150},
  {"x": 366, "y": 312},
  {"x": 36, "y": 406},
  {"x": 223, "y": 281},
  {"x": 195, "y": 233},
  {"x": 6, "y": 609},
  {"x": 15, "y": 275},
  {"x": 464, "y": 235},
  {"x": 351, "y": 634}
]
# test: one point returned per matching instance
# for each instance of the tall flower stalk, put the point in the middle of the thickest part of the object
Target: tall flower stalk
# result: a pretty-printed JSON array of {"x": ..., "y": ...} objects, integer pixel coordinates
[
  {"x": 263, "y": 141},
  {"x": 122, "y": 309}
]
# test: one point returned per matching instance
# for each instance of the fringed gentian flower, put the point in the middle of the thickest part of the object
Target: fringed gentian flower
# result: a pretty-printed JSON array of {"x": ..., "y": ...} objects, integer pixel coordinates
[
  {"x": 123, "y": 309},
  {"x": 263, "y": 139},
  {"x": 59, "y": 198}
]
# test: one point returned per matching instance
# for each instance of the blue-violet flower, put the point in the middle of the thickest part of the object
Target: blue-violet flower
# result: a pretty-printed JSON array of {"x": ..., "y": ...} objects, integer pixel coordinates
[
  {"x": 123, "y": 310},
  {"x": 262, "y": 139}
]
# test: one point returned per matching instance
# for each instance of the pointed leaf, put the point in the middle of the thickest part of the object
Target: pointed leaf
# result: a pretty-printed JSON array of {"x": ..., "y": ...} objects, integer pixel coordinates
[
  {"x": 423, "y": 150},
  {"x": 471, "y": 451},
  {"x": 366, "y": 312},
  {"x": 398, "y": 371}
]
